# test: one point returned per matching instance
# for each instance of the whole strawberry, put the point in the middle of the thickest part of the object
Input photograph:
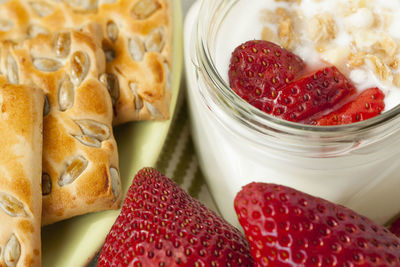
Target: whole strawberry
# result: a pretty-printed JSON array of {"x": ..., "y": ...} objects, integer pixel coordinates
[
  {"x": 161, "y": 225},
  {"x": 258, "y": 69},
  {"x": 286, "y": 227}
]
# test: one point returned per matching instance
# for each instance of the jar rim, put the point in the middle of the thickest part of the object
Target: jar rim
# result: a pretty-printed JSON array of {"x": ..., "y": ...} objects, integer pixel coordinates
[{"x": 246, "y": 110}]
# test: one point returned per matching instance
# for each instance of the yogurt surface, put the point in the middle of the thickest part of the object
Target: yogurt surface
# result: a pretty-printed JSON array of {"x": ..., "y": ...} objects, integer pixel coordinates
[{"x": 361, "y": 38}]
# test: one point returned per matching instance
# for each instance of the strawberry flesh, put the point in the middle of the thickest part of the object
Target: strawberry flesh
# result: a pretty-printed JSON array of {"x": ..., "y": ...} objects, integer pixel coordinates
[
  {"x": 286, "y": 227},
  {"x": 368, "y": 104},
  {"x": 258, "y": 69},
  {"x": 161, "y": 225},
  {"x": 269, "y": 78},
  {"x": 309, "y": 95}
]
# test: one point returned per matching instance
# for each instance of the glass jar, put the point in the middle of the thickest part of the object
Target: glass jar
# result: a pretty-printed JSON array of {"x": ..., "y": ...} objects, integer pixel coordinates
[{"x": 356, "y": 165}]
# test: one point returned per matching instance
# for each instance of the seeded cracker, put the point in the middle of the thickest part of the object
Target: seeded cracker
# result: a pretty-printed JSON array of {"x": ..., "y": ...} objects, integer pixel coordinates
[
  {"x": 137, "y": 43},
  {"x": 21, "y": 117},
  {"x": 80, "y": 160}
]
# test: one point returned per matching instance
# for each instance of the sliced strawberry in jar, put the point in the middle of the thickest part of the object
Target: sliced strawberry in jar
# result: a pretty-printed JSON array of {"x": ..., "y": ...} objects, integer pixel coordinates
[
  {"x": 258, "y": 69},
  {"x": 368, "y": 104},
  {"x": 311, "y": 94}
]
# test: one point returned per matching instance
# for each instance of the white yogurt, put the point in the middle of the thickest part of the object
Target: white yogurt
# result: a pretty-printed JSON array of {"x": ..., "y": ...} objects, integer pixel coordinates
[{"x": 361, "y": 172}]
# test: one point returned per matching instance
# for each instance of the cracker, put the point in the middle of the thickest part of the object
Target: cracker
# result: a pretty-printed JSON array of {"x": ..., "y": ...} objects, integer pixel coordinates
[
  {"x": 137, "y": 43},
  {"x": 80, "y": 159},
  {"x": 21, "y": 120}
]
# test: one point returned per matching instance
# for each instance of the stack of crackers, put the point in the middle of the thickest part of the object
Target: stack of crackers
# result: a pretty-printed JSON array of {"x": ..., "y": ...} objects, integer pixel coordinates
[{"x": 69, "y": 71}]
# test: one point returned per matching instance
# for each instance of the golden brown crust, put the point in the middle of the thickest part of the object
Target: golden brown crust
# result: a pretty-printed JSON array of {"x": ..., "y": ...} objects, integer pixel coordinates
[
  {"x": 150, "y": 71},
  {"x": 137, "y": 41},
  {"x": 23, "y": 19},
  {"x": 80, "y": 159},
  {"x": 21, "y": 119}
]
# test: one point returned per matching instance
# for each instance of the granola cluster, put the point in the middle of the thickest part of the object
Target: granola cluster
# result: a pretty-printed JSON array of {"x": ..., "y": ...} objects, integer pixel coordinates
[{"x": 366, "y": 28}]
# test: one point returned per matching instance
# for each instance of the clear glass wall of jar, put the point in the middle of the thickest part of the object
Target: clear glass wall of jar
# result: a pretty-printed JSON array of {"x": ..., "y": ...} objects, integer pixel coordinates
[{"x": 356, "y": 165}]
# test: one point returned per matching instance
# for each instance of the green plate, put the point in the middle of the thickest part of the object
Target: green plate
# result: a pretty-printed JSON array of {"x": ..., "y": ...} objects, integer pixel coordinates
[{"x": 74, "y": 242}]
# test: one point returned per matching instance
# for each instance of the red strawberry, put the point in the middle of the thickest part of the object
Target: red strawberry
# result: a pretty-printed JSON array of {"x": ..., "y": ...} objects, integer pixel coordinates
[
  {"x": 367, "y": 105},
  {"x": 161, "y": 225},
  {"x": 286, "y": 227},
  {"x": 259, "y": 68},
  {"x": 309, "y": 95},
  {"x": 395, "y": 227}
]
